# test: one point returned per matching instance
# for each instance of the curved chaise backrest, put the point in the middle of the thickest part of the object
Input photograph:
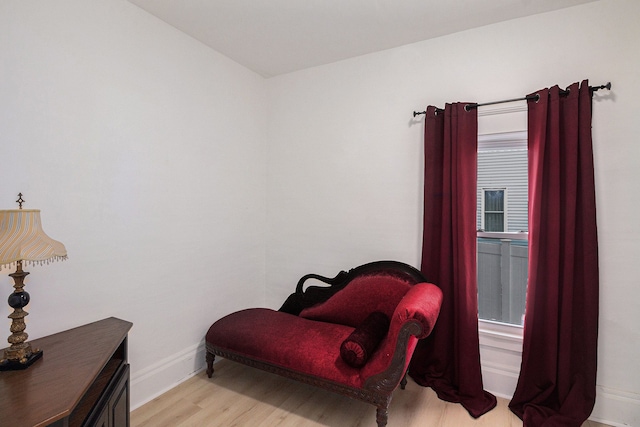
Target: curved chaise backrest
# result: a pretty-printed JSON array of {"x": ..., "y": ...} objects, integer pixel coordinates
[{"x": 352, "y": 295}]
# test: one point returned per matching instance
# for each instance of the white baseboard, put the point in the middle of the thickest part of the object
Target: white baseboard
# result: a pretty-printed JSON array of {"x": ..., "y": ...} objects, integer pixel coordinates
[
  {"x": 154, "y": 380},
  {"x": 616, "y": 407}
]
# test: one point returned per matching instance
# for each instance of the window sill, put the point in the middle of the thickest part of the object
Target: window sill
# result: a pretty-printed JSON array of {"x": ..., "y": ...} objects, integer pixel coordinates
[{"x": 500, "y": 335}]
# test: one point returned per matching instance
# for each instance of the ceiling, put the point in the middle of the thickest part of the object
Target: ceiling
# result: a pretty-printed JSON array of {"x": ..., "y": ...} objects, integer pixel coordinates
[{"x": 274, "y": 37}]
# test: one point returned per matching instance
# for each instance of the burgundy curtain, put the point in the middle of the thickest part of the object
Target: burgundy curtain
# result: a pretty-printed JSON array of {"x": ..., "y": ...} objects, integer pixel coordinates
[
  {"x": 558, "y": 374},
  {"x": 449, "y": 359}
]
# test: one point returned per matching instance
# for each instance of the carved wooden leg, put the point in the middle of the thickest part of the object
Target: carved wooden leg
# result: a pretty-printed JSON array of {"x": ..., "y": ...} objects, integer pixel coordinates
[
  {"x": 210, "y": 358},
  {"x": 403, "y": 383},
  {"x": 381, "y": 416}
]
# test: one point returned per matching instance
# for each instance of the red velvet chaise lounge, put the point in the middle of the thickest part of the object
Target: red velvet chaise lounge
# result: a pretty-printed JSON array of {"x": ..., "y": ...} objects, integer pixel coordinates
[{"x": 354, "y": 337}]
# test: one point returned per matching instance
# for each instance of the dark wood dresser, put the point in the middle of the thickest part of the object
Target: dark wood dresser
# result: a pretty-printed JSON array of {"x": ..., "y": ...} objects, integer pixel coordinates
[{"x": 81, "y": 380}]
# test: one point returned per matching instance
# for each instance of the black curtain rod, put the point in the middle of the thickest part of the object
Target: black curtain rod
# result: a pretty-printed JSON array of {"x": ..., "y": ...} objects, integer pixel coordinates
[{"x": 526, "y": 98}]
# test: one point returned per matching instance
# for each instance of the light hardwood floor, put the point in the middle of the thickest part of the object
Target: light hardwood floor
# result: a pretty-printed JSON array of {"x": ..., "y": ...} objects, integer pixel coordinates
[{"x": 240, "y": 396}]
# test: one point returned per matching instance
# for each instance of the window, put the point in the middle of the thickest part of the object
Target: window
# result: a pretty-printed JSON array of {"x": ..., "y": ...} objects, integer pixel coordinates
[
  {"x": 493, "y": 214},
  {"x": 502, "y": 223}
]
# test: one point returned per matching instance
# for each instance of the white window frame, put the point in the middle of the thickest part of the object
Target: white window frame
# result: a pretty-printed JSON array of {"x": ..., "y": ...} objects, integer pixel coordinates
[
  {"x": 508, "y": 336},
  {"x": 500, "y": 356},
  {"x": 500, "y": 343}
]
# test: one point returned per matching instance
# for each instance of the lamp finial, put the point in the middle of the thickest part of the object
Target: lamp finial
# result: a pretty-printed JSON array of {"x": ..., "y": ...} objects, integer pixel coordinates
[{"x": 20, "y": 200}]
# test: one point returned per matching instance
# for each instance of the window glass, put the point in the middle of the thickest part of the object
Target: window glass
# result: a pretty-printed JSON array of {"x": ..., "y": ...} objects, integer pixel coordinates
[
  {"x": 502, "y": 223},
  {"x": 493, "y": 210}
]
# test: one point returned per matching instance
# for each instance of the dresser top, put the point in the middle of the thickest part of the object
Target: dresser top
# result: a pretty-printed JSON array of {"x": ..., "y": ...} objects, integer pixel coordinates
[{"x": 51, "y": 388}]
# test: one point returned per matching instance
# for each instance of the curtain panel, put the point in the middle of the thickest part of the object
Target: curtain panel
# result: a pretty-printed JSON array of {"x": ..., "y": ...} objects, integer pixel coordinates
[
  {"x": 449, "y": 359},
  {"x": 557, "y": 383}
]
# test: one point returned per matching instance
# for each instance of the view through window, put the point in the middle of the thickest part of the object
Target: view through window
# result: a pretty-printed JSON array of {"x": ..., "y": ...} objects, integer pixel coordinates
[{"x": 502, "y": 224}]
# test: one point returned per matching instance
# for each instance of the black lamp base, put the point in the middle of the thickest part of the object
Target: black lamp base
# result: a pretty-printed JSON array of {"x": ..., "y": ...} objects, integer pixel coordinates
[{"x": 15, "y": 365}]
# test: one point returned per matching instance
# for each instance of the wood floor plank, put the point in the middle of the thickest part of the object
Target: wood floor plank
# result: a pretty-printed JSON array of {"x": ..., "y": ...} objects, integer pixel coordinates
[
  {"x": 239, "y": 396},
  {"x": 173, "y": 415},
  {"x": 166, "y": 400}
]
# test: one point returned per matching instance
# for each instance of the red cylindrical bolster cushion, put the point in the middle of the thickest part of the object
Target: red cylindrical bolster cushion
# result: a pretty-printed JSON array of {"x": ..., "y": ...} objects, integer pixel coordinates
[{"x": 364, "y": 340}]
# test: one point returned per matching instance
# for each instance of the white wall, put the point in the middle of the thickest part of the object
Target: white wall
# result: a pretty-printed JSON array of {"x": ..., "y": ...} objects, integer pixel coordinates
[
  {"x": 145, "y": 151},
  {"x": 117, "y": 126},
  {"x": 345, "y": 157}
]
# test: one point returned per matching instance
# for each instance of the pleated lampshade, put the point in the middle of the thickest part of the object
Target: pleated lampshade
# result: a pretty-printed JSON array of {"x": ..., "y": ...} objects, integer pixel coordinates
[{"x": 23, "y": 239}]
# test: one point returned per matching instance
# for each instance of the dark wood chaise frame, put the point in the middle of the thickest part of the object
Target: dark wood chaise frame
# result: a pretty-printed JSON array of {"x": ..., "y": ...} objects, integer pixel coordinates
[{"x": 378, "y": 389}]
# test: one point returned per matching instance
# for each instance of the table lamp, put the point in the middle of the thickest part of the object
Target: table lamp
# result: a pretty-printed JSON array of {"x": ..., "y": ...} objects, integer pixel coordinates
[{"x": 22, "y": 240}]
